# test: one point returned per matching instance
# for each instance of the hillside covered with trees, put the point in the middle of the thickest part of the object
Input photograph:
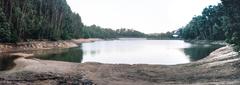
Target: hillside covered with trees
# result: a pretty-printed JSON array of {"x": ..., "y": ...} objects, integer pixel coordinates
[
  {"x": 163, "y": 36},
  {"x": 22, "y": 20},
  {"x": 94, "y": 31},
  {"x": 221, "y": 22},
  {"x": 54, "y": 20},
  {"x": 38, "y": 19}
]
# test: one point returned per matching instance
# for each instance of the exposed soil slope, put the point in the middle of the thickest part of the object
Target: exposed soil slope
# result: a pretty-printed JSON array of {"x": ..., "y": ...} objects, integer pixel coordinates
[{"x": 40, "y": 45}]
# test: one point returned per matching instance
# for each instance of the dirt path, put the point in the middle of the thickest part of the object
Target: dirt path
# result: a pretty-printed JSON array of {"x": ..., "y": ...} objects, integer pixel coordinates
[{"x": 220, "y": 67}]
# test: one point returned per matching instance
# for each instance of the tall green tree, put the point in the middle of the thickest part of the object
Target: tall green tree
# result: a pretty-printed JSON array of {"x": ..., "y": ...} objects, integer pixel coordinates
[
  {"x": 40, "y": 19},
  {"x": 5, "y": 32},
  {"x": 208, "y": 26},
  {"x": 232, "y": 20},
  {"x": 221, "y": 22}
]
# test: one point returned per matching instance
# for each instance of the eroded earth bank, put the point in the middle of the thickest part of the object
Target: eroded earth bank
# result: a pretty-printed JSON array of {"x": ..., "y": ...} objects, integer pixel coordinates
[{"x": 220, "y": 67}]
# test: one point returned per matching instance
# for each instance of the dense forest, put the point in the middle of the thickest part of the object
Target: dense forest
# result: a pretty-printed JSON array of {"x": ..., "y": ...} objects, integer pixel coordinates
[
  {"x": 163, "y": 36},
  {"x": 21, "y": 20},
  {"x": 53, "y": 20},
  {"x": 221, "y": 22},
  {"x": 94, "y": 31},
  {"x": 208, "y": 26}
]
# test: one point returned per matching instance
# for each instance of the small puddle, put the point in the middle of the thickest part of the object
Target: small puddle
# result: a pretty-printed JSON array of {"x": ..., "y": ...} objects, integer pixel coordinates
[{"x": 7, "y": 62}]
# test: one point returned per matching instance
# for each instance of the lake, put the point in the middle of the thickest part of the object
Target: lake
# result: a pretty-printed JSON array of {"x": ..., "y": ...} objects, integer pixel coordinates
[{"x": 132, "y": 51}]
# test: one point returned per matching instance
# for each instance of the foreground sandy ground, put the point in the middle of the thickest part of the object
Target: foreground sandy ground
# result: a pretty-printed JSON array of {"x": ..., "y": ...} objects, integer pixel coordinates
[{"x": 220, "y": 67}]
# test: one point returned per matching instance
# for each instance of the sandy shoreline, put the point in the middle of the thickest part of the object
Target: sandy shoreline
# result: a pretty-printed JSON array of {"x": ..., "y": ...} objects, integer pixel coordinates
[
  {"x": 41, "y": 45},
  {"x": 220, "y": 67}
]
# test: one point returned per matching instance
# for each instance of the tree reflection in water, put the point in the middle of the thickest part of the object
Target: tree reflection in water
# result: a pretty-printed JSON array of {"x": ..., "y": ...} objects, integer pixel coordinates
[
  {"x": 6, "y": 62},
  {"x": 197, "y": 52},
  {"x": 69, "y": 55}
]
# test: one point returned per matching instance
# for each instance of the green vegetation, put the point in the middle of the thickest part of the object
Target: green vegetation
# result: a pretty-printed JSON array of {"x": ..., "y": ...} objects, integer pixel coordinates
[
  {"x": 94, "y": 31},
  {"x": 221, "y": 22},
  {"x": 129, "y": 32},
  {"x": 4, "y": 27},
  {"x": 162, "y": 36},
  {"x": 208, "y": 26},
  {"x": 21, "y": 20},
  {"x": 53, "y": 20}
]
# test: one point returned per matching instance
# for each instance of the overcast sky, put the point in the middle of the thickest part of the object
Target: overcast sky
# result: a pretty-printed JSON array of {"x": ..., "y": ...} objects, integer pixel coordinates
[{"x": 148, "y": 16}]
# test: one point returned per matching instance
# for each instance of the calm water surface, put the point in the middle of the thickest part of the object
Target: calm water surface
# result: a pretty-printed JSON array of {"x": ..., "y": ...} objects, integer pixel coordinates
[{"x": 167, "y": 52}]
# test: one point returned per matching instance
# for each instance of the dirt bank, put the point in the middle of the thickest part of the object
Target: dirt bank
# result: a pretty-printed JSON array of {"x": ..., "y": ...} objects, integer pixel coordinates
[
  {"x": 79, "y": 41},
  {"x": 220, "y": 67},
  {"x": 206, "y": 42},
  {"x": 40, "y": 45}
]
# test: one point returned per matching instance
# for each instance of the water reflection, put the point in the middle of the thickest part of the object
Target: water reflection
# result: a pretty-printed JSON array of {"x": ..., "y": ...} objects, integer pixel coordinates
[
  {"x": 136, "y": 52},
  {"x": 69, "y": 55},
  {"x": 197, "y": 52},
  {"x": 6, "y": 62},
  {"x": 167, "y": 52}
]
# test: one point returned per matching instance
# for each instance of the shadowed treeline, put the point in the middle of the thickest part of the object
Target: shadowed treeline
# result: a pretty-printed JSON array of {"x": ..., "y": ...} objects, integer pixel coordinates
[
  {"x": 220, "y": 22},
  {"x": 21, "y": 20}
]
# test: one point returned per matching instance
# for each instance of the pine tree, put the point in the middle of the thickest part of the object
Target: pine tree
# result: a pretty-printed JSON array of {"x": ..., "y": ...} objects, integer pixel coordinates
[{"x": 4, "y": 28}]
